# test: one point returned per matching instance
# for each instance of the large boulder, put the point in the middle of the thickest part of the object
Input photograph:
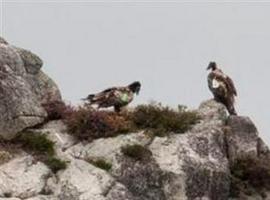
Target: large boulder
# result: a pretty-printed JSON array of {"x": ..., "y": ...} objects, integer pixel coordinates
[
  {"x": 23, "y": 90},
  {"x": 243, "y": 139},
  {"x": 22, "y": 177},
  {"x": 82, "y": 181}
]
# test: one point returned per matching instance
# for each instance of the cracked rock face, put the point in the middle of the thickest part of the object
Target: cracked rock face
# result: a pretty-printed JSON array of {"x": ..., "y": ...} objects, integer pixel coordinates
[{"x": 23, "y": 88}]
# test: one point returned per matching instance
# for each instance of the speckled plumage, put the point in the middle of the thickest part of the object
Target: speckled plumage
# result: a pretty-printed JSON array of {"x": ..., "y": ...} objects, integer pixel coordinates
[
  {"x": 222, "y": 88},
  {"x": 116, "y": 97}
]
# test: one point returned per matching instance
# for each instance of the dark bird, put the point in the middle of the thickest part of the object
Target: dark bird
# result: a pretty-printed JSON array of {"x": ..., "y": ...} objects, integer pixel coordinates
[
  {"x": 222, "y": 87},
  {"x": 116, "y": 97}
]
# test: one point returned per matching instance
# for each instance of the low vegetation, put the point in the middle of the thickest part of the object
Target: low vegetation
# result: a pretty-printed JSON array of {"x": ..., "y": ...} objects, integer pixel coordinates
[
  {"x": 250, "y": 175},
  {"x": 41, "y": 148},
  {"x": 164, "y": 119},
  {"x": 136, "y": 151},
  {"x": 35, "y": 142},
  {"x": 87, "y": 123},
  {"x": 5, "y": 156},
  {"x": 101, "y": 163},
  {"x": 57, "y": 110},
  {"x": 55, "y": 164},
  {"x": 7, "y": 150}
]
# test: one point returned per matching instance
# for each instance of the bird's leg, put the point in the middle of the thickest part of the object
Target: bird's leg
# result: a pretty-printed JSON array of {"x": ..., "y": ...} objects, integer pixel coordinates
[
  {"x": 117, "y": 109},
  {"x": 231, "y": 109}
]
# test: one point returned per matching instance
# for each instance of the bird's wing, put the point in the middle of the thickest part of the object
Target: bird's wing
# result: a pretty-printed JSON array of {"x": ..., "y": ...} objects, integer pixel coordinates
[
  {"x": 105, "y": 94},
  {"x": 230, "y": 85},
  {"x": 219, "y": 75},
  {"x": 109, "y": 90}
]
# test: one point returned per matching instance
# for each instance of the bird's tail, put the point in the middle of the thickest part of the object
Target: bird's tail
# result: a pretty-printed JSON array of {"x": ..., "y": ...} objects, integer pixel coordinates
[{"x": 89, "y": 98}]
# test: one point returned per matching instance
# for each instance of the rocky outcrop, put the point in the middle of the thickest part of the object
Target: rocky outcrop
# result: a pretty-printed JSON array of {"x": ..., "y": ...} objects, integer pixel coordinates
[
  {"x": 192, "y": 165},
  {"x": 195, "y": 165},
  {"x": 23, "y": 89}
]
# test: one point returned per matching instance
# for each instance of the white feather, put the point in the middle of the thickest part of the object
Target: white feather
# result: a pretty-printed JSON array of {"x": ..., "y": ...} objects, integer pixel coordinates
[{"x": 215, "y": 83}]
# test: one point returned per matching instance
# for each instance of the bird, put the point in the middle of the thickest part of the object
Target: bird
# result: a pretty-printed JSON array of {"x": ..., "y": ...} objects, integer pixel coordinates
[
  {"x": 116, "y": 97},
  {"x": 222, "y": 87}
]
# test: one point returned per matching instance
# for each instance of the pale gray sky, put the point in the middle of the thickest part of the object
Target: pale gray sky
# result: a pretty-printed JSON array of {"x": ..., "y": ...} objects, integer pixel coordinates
[{"x": 87, "y": 47}]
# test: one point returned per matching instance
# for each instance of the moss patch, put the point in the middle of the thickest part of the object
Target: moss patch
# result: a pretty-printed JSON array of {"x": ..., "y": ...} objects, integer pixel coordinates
[
  {"x": 41, "y": 148},
  {"x": 55, "y": 164},
  {"x": 136, "y": 151},
  {"x": 35, "y": 142},
  {"x": 101, "y": 163}
]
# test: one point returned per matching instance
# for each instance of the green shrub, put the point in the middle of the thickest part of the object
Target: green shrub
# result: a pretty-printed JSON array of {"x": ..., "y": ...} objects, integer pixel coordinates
[
  {"x": 36, "y": 142},
  {"x": 136, "y": 151},
  {"x": 55, "y": 164},
  {"x": 86, "y": 123},
  {"x": 250, "y": 174},
  {"x": 101, "y": 163},
  {"x": 164, "y": 119}
]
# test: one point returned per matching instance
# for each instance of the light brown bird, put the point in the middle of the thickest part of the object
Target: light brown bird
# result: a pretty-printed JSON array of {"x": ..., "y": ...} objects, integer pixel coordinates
[
  {"x": 222, "y": 87},
  {"x": 116, "y": 97}
]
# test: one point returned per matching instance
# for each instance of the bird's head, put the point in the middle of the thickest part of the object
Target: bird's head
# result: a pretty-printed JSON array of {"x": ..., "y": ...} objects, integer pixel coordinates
[
  {"x": 212, "y": 66},
  {"x": 135, "y": 87}
]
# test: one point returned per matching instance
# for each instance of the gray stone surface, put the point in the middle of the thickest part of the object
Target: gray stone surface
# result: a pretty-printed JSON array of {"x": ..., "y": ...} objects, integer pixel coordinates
[
  {"x": 191, "y": 166},
  {"x": 83, "y": 181},
  {"x": 23, "y": 89},
  {"x": 22, "y": 177}
]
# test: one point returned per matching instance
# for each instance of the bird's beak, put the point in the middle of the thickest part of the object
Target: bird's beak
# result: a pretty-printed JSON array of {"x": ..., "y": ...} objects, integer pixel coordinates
[
  {"x": 138, "y": 91},
  {"x": 208, "y": 68}
]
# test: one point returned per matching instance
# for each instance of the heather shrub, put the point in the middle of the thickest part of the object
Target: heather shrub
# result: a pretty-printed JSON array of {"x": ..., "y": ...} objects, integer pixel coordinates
[
  {"x": 57, "y": 110},
  {"x": 164, "y": 119},
  {"x": 86, "y": 123},
  {"x": 250, "y": 174}
]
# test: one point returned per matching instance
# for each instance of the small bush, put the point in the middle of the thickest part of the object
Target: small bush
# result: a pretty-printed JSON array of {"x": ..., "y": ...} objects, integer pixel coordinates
[
  {"x": 35, "y": 142},
  {"x": 164, "y": 119},
  {"x": 250, "y": 174},
  {"x": 101, "y": 163},
  {"x": 4, "y": 157},
  {"x": 136, "y": 151},
  {"x": 55, "y": 164},
  {"x": 86, "y": 123},
  {"x": 57, "y": 110}
]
